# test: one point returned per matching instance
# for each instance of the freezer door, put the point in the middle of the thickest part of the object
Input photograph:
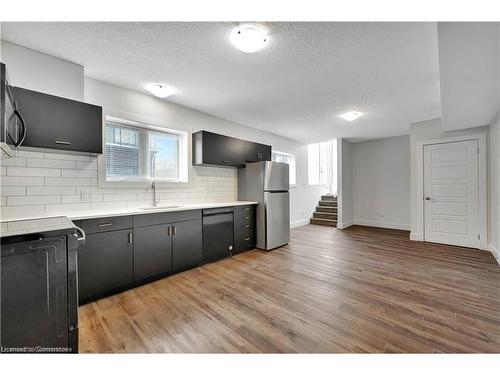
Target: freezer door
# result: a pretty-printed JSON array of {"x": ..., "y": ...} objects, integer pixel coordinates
[
  {"x": 276, "y": 176},
  {"x": 277, "y": 219}
]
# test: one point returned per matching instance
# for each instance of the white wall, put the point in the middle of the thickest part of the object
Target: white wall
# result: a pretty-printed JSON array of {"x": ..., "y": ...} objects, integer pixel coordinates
[
  {"x": 345, "y": 183},
  {"x": 469, "y": 73},
  {"x": 422, "y": 131},
  {"x": 45, "y": 183},
  {"x": 494, "y": 188},
  {"x": 381, "y": 183},
  {"x": 40, "y": 72}
]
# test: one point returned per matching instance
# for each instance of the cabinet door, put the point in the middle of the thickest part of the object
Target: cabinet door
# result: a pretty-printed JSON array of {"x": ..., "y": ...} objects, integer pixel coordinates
[
  {"x": 104, "y": 263},
  {"x": 219, "y": 149},
  {"x": 257, "y": 152},
  {"x": 187, "y": 249},
  {"x": 34, "y": 310},
  {"x": 58, "y": 123},
  {"x": 152, "y": 251}
]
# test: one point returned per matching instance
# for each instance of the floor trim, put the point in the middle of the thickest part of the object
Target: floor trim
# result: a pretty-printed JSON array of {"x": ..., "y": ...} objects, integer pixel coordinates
[
  {"x": 495, "y": 252},
  {"x": 299, "y": 223},
  {"x": 381, "y": 224}
]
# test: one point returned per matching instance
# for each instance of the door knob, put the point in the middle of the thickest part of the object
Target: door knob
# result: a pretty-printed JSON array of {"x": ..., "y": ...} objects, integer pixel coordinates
[{"x": 427, "y": 198}]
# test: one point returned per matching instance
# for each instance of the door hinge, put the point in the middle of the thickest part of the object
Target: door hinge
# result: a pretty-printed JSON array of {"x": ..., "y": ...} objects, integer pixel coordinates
[{"x": 478, "y": 236}]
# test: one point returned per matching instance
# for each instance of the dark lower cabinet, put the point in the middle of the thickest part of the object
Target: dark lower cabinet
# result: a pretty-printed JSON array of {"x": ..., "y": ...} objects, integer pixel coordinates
[
  {"x": 244, "y": 228},
  {"x": 152, "y": 251},
  {"x": 112, "y": 260},
  {"x": 187, "y": 244},
  {"x": 105, "y": 263}
]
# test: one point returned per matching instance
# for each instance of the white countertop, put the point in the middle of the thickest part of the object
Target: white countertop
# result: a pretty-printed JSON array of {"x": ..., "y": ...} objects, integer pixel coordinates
[{"x": 134, "y": 211}]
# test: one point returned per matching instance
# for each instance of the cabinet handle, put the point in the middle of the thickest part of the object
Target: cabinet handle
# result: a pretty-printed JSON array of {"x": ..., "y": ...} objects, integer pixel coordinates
[
  {"x": 246, "y": 209},
  {"x": 169, "y": 231},
  {"x": 130, "y": 238},
  {"x": 226, "y": 161},
  {"x": 246, "y": 217},
  {"x": 246, "y": 239},
  {"x": 62, "y": 142},
  {"x": 246, "y": 226},
  {"x": 83, "y": 237},
  {"x": 105, "y": 225},
  {"x": 173, "y": 231}
]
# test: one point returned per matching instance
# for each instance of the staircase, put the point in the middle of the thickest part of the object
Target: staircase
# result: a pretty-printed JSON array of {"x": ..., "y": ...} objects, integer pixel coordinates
[{"x": 326, "y": 211}]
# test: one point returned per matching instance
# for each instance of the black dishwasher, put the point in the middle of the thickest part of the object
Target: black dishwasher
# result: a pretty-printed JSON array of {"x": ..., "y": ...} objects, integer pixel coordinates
[{"x": 218, "y": 233}]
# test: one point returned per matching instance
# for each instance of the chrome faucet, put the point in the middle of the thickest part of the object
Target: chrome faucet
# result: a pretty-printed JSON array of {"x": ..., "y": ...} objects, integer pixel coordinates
[{"x": 153, "y": 186}]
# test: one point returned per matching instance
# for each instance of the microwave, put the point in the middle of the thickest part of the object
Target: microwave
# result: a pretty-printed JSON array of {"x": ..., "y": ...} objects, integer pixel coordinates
[{"x": 12, "y": 126}]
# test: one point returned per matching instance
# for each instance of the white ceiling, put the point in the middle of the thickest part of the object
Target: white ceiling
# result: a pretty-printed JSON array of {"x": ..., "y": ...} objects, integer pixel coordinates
[{"x": 297, "y": 86}]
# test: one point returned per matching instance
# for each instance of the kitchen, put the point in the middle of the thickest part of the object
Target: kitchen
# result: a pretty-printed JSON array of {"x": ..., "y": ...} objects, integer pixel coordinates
[{"x": 246, "y": 187}]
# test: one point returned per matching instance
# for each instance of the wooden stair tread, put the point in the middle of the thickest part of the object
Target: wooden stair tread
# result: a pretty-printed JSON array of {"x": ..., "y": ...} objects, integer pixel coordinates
[
  {"x": 332, "y": 223},
  {"x": 325, "y": 215}
]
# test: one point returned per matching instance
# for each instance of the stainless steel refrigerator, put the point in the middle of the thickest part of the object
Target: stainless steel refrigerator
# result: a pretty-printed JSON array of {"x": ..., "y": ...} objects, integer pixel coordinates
[{"x": 267, "y": 182}]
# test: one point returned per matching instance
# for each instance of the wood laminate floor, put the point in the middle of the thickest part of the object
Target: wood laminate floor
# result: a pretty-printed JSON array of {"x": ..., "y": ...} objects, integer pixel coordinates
[{"x": 329, "y": 291}]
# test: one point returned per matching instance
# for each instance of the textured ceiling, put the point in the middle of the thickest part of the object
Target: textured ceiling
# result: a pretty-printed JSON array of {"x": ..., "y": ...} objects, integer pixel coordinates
[{"x": 296, "y": 87}]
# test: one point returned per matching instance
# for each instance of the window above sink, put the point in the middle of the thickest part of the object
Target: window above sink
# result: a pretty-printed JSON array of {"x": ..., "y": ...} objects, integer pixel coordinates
[{"x": 137, "y": 152}]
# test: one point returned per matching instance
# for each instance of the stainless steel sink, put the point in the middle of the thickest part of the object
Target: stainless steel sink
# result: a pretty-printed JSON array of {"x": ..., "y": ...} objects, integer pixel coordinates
[{"x": 158, "y": 207}]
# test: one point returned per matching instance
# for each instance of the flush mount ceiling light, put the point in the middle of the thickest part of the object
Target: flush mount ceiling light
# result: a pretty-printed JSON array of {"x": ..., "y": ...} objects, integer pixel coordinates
[
  {"x": 249, "y": 38},
  {"x": 351, "y": 115},
  {"x": 160, "y": 90}
]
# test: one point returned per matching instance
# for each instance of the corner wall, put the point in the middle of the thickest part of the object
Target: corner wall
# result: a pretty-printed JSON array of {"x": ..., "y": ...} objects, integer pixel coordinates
[
  {"x": 381, "y": 183},
  {"x": 345, "y": 184},
  {"x": 494, "y": 189}
]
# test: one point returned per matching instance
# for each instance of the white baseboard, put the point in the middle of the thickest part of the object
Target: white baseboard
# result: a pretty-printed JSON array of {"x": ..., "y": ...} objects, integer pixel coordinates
[
  {"x": 345, "y": 224},
  {"x": 299, "y": 223},
  {"x": 495, "y": 252},
  {"x": 416, "y": 237},
  {"x": 381, "y": 224}
]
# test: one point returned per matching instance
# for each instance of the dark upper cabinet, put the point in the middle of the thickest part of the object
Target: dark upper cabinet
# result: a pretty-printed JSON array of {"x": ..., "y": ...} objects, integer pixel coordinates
[
  {"x": 152, "y": 251},
  {"x": 187, "y": 244},
  {"x": 105, "y": 263},
  {"x": 216, "y": 149},
  {"x": 257, "y": 152},
  {"x": 58, "y": 123}
]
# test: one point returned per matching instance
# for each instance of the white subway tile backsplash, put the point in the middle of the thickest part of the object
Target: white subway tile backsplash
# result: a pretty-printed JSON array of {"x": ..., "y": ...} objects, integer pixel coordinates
[
  {"x": 25, "y": 171},
  {"x": 67, "y": 181},
  {"x": 22, "y": 181},
  {"x": 33, "y": 199},
  {"x": 49, "y": 163},
  {"x": 51, "y": 190},
  {"x": 119, "y": 197},
  {"x": 12, "y": 190},
  {"x": 38, "y": 184},
  {"x": 29, "y": 154},
  {"x": 67, "y": 157},
  {"x": 65, "y": 208},
  {"x": 92, "y": 164},
  {"x": 79, "y": 173},
  {"x": 16, "y": 212},
  {"x": 13, "y": 162}
]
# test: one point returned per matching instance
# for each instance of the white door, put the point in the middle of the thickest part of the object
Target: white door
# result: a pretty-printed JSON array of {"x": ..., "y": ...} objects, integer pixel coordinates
[{"x": 451, "y": 186}]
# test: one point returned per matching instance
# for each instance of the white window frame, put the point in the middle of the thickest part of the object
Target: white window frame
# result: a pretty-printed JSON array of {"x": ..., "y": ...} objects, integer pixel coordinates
[
  {"x": 139, "y": 182},
  {"x": 292, "y": 165}
]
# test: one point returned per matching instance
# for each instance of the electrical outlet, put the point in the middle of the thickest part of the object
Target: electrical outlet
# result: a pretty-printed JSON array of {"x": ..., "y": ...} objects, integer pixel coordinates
[{"x": 88, "y": 195}]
